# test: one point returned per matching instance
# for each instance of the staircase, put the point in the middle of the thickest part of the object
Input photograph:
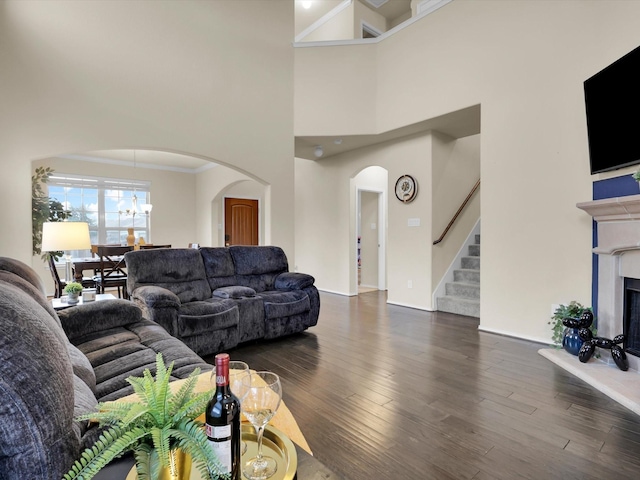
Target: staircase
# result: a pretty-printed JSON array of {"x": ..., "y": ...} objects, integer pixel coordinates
[{"x": 462, "y": 296}]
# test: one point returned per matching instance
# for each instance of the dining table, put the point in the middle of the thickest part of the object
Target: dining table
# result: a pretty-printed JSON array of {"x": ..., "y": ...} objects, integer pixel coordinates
[
  {"x": 81, "y": 264},
  {"x": 92, "y": 264}
]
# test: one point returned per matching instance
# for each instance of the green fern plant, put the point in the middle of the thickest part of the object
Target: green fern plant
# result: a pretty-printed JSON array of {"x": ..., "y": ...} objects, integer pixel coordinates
[{"x": 153, "y": 427}]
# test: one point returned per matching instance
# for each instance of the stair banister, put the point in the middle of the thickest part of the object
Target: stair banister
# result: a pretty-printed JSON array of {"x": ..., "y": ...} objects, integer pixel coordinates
[{"x": 455, "y": 217}]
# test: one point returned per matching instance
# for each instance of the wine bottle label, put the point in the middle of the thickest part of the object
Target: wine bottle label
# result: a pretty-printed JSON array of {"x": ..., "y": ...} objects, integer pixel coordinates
[
  {"x": 220, "y": 442},
  {"x": 221, "y": 432},
  {"x": 223, "y": 452}
]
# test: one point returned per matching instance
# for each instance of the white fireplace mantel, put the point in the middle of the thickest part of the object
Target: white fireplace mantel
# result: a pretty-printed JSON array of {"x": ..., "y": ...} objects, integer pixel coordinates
[{"x": 613, "y": 209}]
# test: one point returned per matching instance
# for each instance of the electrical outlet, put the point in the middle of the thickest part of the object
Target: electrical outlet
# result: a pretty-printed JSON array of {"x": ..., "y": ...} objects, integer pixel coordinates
[{"x": 410, "y": 284}]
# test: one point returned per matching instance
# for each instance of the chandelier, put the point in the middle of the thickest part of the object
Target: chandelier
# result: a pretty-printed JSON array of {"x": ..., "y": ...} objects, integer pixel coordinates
[{"x": 145, "y": 208}]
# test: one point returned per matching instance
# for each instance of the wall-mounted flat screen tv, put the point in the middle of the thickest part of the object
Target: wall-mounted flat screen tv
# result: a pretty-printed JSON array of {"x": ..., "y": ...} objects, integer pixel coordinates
[{"x": 612, "y": 101}]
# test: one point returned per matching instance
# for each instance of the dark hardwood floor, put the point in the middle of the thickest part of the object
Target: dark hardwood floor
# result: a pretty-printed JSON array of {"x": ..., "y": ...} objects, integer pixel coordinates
[{"x": 386, "y": 392}]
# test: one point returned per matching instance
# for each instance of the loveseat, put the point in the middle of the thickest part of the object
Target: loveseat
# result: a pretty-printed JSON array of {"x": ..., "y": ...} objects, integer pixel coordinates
[
  {"x": 56, "y": 365},
  {"x": 215, "y": 298}
]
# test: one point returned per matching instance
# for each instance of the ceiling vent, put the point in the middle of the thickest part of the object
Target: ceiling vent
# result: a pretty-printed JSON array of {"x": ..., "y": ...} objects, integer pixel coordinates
[{"x": 376, "y": 3}]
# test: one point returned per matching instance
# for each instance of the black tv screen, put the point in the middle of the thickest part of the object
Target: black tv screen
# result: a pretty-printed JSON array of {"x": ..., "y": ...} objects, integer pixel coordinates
[{"x": 612, "y": 101}]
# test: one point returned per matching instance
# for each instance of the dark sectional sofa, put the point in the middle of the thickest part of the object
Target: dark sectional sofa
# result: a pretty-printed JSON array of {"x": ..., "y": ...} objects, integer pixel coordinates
[
  {"x": 56, "y": 365},
  {"x": 216, "y": 298}
]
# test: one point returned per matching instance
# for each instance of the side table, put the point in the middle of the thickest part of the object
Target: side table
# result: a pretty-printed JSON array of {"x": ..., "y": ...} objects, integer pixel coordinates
[{"x": 61, "y": 303}]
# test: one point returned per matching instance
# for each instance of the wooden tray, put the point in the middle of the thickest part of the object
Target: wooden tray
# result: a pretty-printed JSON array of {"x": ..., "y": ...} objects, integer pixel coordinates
[{"x": 274, "y": 444}]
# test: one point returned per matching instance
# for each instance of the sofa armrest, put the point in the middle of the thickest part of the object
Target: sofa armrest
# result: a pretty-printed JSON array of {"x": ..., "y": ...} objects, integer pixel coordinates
[
  {"x": 293, "y": 281},
  {"x": 155, "y": 297},
  {"x": 159, "y": 305},
  {"x": 94, "y": 317}
]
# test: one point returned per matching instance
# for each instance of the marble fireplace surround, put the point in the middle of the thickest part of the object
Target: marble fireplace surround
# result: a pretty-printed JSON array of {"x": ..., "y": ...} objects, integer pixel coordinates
[{"x": 618, "y": 253}]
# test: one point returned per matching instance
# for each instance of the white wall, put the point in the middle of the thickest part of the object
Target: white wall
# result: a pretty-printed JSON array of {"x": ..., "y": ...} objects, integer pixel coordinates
[
  {"x": 524, "y": 63},
  {"x": 212, "y": 79},
  {"x": 337, "y": 26}
]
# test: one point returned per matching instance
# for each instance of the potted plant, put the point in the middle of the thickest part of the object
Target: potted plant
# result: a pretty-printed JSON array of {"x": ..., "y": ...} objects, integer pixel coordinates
[
  {"x": 636, "y": 175},
  {"x": 565, "y": 337},
  {"x": 159, "y": 428},
  {"x": 73, "y": 291}
]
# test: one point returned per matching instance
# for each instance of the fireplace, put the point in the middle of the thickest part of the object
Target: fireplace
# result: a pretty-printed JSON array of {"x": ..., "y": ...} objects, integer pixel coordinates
[
  {"x": 631, "y": 320},
  {"x": 618, "y": 280}
]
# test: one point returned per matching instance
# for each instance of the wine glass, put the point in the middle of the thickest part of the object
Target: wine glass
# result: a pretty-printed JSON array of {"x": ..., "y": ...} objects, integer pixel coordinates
[{"x": 260, "y": 404}]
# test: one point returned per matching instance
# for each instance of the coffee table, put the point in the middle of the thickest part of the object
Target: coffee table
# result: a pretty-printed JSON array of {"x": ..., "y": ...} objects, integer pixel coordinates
[{"x": 61, "y": 303}]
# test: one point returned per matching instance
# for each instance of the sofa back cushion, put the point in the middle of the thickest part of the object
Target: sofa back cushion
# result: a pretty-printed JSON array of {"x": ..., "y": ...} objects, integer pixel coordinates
[
  {"x": 37, "y": 434},
  {"x": 180, "y": 270},
  {"x": 258, "y": 266},
  {"x": 218, "y": 266}
]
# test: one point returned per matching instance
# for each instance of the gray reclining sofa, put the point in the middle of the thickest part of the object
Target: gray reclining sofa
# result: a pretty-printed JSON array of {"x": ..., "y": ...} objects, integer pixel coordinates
[
  {"x": 57, "y": 365},
  {"x": 216, "y": 298}
]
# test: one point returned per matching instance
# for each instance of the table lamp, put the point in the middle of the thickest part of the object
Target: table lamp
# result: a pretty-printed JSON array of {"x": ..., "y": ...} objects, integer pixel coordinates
[{"x": 65, "y": 236}]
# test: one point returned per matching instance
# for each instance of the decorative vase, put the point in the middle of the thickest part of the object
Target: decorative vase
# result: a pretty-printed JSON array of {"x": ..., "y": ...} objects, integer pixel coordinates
[
  {"x": 571, "y": 341},
  {"x": 179, "y": 466},
  {"x": 73, "y": 298},
  {"x": 131, "y": 238}
]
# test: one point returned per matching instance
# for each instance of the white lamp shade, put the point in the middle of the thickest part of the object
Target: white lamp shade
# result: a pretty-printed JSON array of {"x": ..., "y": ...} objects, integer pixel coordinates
[
  {"x": 59, "y": 236},
  {"x": 146, "y": 208}
]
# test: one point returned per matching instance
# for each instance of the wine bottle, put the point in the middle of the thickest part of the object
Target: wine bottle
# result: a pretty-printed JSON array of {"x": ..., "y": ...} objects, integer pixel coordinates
[{"x": 223, "y": 421}]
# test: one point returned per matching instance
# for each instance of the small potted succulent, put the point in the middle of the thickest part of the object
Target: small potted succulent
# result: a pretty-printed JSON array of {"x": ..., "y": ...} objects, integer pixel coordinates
[{"x": 73, "y": 291}]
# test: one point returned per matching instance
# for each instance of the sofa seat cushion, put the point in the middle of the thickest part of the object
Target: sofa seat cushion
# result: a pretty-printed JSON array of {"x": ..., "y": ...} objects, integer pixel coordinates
[
  {"x": 234, "y": 291},
  {"x": 210, "y": 315},
  {"x": 278, "y": 304},
  {"x": 122, "y": 352}
]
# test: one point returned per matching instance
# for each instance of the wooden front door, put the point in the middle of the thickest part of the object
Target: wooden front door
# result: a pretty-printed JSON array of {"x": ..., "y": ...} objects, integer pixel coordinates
[{"x": 240, "y": 221}]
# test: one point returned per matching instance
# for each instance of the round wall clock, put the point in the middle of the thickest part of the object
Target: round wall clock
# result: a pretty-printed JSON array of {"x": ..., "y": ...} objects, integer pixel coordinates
[{"x": 406, "y": 188}]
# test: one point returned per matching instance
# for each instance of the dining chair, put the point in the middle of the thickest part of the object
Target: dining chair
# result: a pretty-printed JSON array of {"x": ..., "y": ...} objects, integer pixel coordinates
[
  {"x": 112, "y": 269},
  {"x": 60, "y": 283}
]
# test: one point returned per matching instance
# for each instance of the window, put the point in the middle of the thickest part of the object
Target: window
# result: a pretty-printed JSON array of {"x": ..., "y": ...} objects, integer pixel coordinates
[{"x": 105, "y": 204}]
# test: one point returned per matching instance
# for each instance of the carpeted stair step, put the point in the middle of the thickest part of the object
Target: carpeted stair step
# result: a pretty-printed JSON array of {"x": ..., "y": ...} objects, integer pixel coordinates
[
  {"x": 459, "y": 306},
  {"x": 464, "y": 290},
  {"x": 471, "y": 263},
  {"x": 466, "y": 275}
]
